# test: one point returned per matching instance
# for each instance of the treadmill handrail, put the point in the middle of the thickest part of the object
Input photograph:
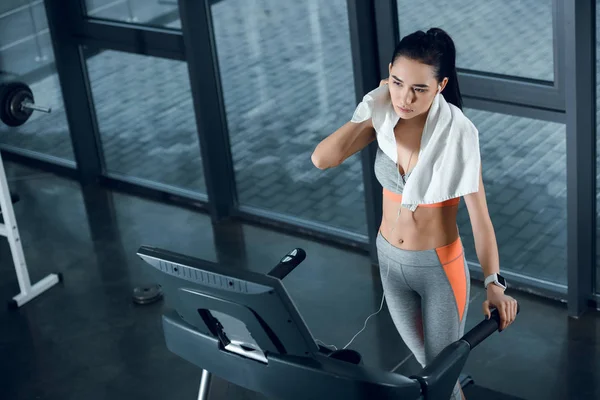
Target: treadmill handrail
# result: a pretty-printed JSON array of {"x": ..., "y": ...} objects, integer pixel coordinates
[
  {"x": 438, "y": 377},
  {"x": 484, "y": 329},
  {"x": 287, "y": 264}
]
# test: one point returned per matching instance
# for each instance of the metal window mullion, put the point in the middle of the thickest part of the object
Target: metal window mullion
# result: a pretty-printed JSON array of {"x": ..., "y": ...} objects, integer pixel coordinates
[
  {"x": 511, "y": 91},
  {"x": 558, "y": 45},
  {"x": 144, "y": 40},
  {"x": 388, "y": 32},
  {"x": 580, "y": 99},
  {"x": 76, "y": 93},
  {"x": 209, "y": 106},
  {"x": 511, "y": 109},
  {"x": 367, "y": 74}
]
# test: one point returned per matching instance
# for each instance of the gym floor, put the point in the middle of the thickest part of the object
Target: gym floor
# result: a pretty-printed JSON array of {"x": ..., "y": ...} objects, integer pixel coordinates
[{"x": 87, "y": 339}]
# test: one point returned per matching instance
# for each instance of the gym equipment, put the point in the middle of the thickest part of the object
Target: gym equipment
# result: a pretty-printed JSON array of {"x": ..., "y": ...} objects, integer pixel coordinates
[
  {"x": 147, "y": 294},
  {"x": 16, "y": 101},
  {"x": 10, "y": 230},
  {"x": 14, "y": 198},
  {"x": 243, "y": 327}
]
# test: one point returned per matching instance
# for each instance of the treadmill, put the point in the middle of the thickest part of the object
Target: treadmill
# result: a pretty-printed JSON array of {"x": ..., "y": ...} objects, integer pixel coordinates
[{"x": 243, "y": 327}]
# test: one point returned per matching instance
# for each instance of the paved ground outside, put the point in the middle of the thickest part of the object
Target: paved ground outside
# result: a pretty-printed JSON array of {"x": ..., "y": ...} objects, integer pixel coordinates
[{"x": 288, "y": 82}]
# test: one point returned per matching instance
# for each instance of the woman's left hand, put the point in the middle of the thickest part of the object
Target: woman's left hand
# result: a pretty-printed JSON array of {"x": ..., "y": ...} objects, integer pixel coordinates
[{"x": 506, "y": 306}]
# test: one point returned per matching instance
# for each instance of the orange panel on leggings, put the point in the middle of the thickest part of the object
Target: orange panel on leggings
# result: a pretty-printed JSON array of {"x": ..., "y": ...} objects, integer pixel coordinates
[{"x": 452, "y": 259}]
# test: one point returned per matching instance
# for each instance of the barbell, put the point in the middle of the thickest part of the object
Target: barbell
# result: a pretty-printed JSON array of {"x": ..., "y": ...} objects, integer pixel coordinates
[{"x": 16, "y": 101}]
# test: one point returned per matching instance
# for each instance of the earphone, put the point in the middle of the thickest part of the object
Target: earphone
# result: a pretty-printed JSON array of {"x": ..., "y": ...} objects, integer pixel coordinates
[{"x": 388, "y": 269}]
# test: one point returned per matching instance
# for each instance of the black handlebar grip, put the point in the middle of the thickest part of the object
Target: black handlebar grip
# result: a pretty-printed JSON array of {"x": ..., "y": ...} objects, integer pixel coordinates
[
  {"x": 288, "y": 263},
  {"x": 484, "y": 329}
]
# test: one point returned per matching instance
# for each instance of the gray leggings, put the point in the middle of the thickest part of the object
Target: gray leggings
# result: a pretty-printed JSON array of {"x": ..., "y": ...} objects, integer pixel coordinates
[{"x": 427, "y": 293}]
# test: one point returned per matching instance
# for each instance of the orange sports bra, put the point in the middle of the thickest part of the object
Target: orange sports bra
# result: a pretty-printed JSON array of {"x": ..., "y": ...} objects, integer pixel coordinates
[{"x": 397, "y": 197}]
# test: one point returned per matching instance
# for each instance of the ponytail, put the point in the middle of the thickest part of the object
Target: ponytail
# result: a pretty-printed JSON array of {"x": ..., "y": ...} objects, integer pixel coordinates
[{"x": 435, "y": 48}]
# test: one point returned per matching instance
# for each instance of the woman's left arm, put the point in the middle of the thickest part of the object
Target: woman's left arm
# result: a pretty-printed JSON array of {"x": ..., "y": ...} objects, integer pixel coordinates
[{"x": 487, "y": 253}]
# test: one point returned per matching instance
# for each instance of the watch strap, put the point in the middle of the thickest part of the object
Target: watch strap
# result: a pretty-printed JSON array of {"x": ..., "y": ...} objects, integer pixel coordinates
[
  {"x": 489, "y": 279},
  {"x": 493, "y": 278}
]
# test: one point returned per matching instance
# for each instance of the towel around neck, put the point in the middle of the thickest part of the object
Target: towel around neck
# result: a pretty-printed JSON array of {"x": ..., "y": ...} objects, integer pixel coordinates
[{"x": 449, "y": 157}]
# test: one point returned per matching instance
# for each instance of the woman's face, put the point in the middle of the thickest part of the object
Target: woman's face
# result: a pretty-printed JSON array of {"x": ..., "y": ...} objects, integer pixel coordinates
[{"x": 413, "y": 87}]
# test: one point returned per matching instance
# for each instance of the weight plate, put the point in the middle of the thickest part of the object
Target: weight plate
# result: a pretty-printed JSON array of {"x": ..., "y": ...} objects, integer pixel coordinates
[
  {"x": 12, "y": 95},
  {"x": 147, "y": 294},
  {"x": 18, "y": 98}
]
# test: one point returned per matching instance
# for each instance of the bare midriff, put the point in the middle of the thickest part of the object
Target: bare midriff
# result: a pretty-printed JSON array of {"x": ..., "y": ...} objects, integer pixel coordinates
[{"x": 428, "y": 227}]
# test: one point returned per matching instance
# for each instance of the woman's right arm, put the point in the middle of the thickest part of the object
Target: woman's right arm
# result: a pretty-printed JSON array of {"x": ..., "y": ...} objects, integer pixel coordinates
[
  {"x": 341, "y": 144},
  {"x": 347, "y": 140}
]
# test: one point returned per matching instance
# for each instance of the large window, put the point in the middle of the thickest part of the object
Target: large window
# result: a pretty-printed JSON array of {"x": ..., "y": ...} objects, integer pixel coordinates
[
  {"x": 286, "y": 71},
  {"x": 503, "y": 37},
  {"x": 26, "y": 55},
  {"x": 524, "y": 172},
  {"x": 146, "y": 119}
]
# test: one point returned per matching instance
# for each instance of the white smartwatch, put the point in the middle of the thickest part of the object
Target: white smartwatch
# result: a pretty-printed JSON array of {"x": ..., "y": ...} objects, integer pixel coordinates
[{"x": 496, "y": 279}]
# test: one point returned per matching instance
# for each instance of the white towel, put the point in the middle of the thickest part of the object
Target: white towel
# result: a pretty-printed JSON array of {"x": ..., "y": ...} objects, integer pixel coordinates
[{"x": 449, "y": 158}]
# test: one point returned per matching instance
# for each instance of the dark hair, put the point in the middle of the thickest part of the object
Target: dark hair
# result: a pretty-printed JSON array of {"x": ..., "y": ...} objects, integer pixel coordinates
[{"x": 435, "y": 48}]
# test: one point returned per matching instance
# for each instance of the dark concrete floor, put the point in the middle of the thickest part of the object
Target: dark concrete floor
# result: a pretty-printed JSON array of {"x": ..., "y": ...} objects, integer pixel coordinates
[{"x": 86, "y": 339}]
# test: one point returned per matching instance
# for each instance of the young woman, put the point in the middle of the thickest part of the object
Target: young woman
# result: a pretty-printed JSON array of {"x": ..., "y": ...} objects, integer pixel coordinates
[{"x": 422, "y": 264}]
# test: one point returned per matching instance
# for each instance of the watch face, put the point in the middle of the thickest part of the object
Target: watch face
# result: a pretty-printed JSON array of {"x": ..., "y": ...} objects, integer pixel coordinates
[{"x": 501, "y": 280}]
